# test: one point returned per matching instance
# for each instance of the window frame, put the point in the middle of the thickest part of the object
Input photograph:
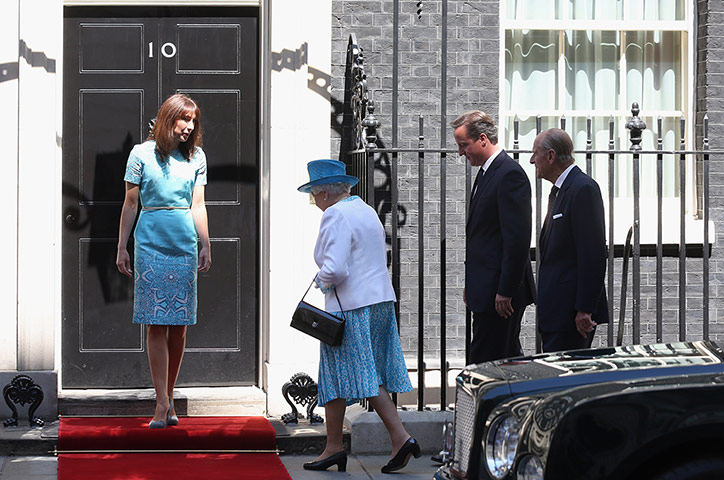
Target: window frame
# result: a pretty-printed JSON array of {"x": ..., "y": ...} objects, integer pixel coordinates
[{"x": 622, "y": 112}]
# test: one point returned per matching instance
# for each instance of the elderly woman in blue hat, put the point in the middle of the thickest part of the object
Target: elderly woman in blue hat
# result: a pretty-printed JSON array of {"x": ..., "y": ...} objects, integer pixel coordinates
[{"x": 352, "y": 258}]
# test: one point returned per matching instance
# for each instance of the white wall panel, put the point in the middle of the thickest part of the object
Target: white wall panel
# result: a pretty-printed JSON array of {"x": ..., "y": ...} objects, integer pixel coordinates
[
  {"x": 9, "y": 192},
  {"x": 300, "y": 132},
  {"x": 40, "y": 31}
]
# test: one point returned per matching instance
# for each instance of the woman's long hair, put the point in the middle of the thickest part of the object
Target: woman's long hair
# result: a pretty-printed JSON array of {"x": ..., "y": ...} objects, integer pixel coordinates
[{"x": 175, "y": 107}]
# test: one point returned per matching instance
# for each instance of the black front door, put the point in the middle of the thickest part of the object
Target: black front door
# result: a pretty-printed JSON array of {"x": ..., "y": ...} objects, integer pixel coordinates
[{"x": 120, "y": 64}]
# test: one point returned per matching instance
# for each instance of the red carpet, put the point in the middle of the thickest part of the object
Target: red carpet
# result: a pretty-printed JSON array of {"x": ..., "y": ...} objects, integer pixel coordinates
[
  {"x": 112, "y": 441},
  {"x": 192, "y": 433},
  {"x": 171, "y": 466}
]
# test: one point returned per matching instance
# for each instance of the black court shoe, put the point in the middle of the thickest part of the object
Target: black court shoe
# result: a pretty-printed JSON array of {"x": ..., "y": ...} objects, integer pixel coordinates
[
  {"x": 399, "y": 461},
  {"x": 339, "y": 459}
]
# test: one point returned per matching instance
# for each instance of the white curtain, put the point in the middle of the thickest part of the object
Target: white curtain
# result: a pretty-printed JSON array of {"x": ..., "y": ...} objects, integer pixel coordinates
[
  {"x": 592, "y": 60},
  {"x": 593, "y": 80},
  {"x": 532, "y": 9},
  {"x": 531, "y": 59},
  {"x": 634, "y": 10},
  {"x": 637, "y": 10},
  {"x": 654, "y": 69},
  {"x": 595, "y": 9}
]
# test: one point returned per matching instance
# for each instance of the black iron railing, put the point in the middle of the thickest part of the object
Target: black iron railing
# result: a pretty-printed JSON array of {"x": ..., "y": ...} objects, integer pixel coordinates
[
  {"x": 366, "y": 161},
  {"x": 366, "y": 155}
]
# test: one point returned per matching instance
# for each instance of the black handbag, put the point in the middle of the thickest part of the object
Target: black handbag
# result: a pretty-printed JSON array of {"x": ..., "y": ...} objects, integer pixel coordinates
[{"x": 319, "y": 324}]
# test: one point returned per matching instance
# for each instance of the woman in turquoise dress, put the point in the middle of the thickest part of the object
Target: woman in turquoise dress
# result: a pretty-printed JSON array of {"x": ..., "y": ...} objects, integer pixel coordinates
[
  {"x": 166, "y": 176},
  {"x": 352, "y": 258}
]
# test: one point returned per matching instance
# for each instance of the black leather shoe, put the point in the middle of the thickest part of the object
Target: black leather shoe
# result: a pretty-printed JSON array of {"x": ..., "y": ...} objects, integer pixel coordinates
[
  {"x": 339, "y": 459},
  {"x": 399, "y": 461}
]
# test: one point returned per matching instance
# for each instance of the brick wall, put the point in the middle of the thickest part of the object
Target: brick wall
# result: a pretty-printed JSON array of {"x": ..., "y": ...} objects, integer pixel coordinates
[
  {"x": 472, "y": 83},
  {"x": 710, "y": 101}
]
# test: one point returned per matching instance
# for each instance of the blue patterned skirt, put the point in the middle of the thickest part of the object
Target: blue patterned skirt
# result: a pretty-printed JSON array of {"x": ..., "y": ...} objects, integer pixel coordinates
[
  {"x": 165, "y": 268},
  {"x": 370, "y": 356}
]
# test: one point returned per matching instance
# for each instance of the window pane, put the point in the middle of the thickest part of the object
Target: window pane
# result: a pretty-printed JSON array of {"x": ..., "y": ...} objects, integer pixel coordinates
[
  {"x": 671, "y": 137},
  {"x": 526, "y": 130},
  {"x": 595, "y": 9},
  {"x": 654, "y": 69},
  {"x": 670, "y": 165},
  {"x": 591, "y": 70},
  {"x": 532, "y": 9},
  {"x": 599, "y": 141},
  {"x": 623, "y": 164},
  {"x": 530, "y": 71},
  {"x": 654, "y": 10},
  {"x": 526, "y": 134}
]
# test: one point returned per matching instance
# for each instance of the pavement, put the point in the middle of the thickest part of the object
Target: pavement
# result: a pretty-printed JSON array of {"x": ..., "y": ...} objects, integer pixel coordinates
[
  {"x": 29, "y": 468},
  {"x": 361, "y": 467}
]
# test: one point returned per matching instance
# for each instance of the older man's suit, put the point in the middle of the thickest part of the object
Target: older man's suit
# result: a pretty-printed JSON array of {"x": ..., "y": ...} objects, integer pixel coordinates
[
  {"x": 572, "y": 263},
  {"x": 497, "y": 259}
]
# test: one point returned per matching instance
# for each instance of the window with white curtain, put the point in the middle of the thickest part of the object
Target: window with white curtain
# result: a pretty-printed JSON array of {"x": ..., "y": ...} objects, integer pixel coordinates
[{"x": 581, "y": 58}]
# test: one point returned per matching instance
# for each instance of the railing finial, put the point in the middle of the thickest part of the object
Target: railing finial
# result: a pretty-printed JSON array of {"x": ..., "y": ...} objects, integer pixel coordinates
[
  {"x": 371, "y": 124},
  {"x": 636, "y": 126}
]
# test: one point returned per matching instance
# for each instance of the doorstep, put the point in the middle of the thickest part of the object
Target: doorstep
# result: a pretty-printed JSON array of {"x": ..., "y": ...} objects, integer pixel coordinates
[
  {"x": 26, "y": 440},
  {"x": 193, "y": 401},
  {"x": 304, "y": 438}
]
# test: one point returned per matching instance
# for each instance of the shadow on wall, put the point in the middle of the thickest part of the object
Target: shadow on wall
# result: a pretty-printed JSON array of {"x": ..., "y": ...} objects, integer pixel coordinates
[{"x": 340, "y": 120}]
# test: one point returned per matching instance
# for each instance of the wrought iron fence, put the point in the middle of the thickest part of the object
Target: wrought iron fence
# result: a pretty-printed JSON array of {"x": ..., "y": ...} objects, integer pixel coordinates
[{"x": 385, "y": 198}]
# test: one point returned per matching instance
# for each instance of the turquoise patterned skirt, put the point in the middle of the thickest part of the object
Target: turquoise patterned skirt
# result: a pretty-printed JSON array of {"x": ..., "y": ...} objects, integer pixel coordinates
[
  {"x": 165, "y": 268},
  {"x": 370, "y": 356}
]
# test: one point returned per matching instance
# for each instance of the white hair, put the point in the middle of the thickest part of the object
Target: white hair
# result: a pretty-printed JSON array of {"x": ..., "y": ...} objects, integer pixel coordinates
[{"x": 331, "y": 188}]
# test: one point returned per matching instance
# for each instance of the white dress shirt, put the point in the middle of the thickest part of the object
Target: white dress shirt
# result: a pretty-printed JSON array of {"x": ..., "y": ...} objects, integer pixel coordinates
[
  {"x": 489, "y": 161},
  {"x": 562, "y": 177},
  {"x": 487, "y": 165}
]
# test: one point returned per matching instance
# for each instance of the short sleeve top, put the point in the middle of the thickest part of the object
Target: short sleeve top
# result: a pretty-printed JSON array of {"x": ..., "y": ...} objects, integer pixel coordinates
[{"x": 165, "y": 182}]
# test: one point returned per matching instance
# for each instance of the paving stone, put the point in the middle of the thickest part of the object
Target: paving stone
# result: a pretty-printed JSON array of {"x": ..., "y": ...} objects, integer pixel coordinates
[{"x": 29, "y": 468}]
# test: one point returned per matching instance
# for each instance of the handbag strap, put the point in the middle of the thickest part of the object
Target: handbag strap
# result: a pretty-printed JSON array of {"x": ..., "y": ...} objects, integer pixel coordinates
[{"x": 335, "y": 294}]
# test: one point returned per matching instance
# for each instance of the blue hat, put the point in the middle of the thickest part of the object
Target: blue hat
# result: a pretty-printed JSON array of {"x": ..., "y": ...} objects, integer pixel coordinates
[{"x": 322, "y": 172}]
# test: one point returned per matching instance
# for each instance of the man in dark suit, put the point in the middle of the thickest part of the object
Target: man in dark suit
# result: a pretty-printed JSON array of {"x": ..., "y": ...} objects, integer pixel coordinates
[
  {"x": 498, "y": 277},
  {"x": 571, "y": 293}
]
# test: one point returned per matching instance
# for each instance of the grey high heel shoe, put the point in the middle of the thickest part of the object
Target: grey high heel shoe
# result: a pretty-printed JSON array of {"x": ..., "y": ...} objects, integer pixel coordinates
[
  {"x": 171, "y": 420},
  {"x": 159, "y": 423}
]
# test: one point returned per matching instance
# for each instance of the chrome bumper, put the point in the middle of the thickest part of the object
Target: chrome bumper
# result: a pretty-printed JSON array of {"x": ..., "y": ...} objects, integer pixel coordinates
[{"x": 443, "y": 473}]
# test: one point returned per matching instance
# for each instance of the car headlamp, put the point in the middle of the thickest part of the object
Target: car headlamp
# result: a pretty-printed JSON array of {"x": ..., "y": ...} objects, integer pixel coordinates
[
  {"x": 501, "y": 443},
  {"x": 530, "y": 468}
]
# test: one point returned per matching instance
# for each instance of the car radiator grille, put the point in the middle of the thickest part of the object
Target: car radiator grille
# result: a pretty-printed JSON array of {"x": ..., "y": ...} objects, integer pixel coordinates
[{"x": 464, "y": 425}]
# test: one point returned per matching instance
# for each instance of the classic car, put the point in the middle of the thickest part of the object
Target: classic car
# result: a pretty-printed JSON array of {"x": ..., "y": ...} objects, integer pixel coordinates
[{"x": 631, "y": 412}]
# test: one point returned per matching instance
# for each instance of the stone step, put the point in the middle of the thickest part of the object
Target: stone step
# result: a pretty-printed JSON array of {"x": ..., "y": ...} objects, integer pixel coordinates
[
  {"x": 300, "y": 439},
  {"x": 369, "y": 436},
  {"x": 364, "y": 433},
  {"x": 26, "y": 440},
  {"x": 303, "y": 438},
  {"x": 140, "y": 402}
]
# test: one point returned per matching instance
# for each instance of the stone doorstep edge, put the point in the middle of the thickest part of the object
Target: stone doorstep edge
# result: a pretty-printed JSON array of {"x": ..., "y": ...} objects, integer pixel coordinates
[{"x": 368, "y": 434}]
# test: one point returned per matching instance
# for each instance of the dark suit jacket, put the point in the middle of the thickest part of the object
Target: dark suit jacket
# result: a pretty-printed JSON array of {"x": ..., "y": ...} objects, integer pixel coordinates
[
  {"x": 498, "y": 232},
  {"x": 573, "y": 256}
]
